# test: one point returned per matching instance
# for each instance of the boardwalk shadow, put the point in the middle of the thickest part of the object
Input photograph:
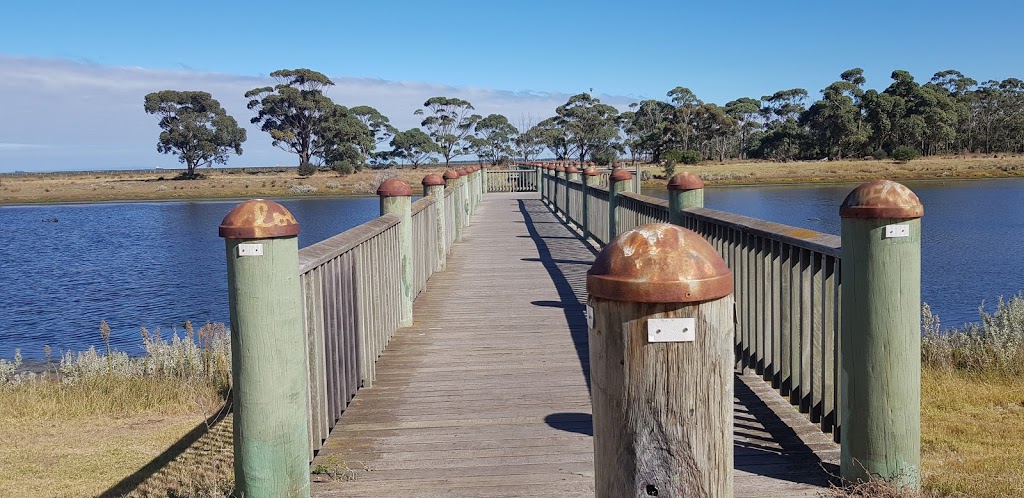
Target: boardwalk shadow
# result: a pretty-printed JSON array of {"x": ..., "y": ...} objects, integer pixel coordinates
[
  {"x": 566, "y": 260},
  {"x": 766, "y": 445}
]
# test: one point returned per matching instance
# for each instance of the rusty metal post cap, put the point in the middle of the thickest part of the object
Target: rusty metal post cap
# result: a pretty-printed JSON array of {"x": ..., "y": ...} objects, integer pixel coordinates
[
  {"x": 258, "y": 219},
  {"x": 432, "y": 180},
  {"x": 591, "y": 171},
  {"x": 881, "y": 199},
  {"x": 659, "y": 263},
  {"x": 394, "y": 188},
  {"x": 685, "y": 181},
  {"x": 572, "y": 170},
  {"x": 462, "y": 171},
  {"x": 560, "y": 169},
  {"x": 451, "y": 175},
  {"x": 620, "y": 174}
]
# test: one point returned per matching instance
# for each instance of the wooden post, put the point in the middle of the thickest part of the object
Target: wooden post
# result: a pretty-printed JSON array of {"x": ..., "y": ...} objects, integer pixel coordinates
[
  {"x": 559, "y": 190},
  {"x": 451, "y": 179},
  {"x": 572, "y": 173},
  {"x": 590, "y": 178},
  {"x": 540, "y": 180},
  {"x": 618, "y": 182},
  {"x": 464, "y": 188},
  {"x": 433, "y": 186},
  {"x": 685, "y": 190},
  {"x": 396, "y": 198},
  {"x": 268, "y": 351},
  {"x": 484, "y": 184},
  {"x": 881, "y": 334},
  {"x": 661, "y": 363}
]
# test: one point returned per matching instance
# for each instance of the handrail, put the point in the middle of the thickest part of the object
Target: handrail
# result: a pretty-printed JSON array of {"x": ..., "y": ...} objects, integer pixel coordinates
[{"x": 786, "y": 279}]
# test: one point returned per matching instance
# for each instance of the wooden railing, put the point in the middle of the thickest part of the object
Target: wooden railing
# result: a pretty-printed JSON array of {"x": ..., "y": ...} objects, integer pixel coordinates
[
  {"x": 786, "y": 281},
  {"x": 511, "y": 180}
]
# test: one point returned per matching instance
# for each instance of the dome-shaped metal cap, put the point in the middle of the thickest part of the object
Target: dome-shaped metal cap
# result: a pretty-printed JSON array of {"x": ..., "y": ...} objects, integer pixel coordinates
[
  {"x": 258, "y": 219},
  {"x": 620, "y": 174},
  {"x": 659, "y": 263},
  {"x": 685, "y": 181},
  {"x": 432, "y": 180},
  {"x": 462, "y": 171},
  {"x": 591, "y": 171},
  {"x": 881, "y": 199},
  {"x": 451, "y": 175},
  {"x": 572, "y": 170},
  {"x": 394, "y": 188},
  {"x": 559, "y": 169}
]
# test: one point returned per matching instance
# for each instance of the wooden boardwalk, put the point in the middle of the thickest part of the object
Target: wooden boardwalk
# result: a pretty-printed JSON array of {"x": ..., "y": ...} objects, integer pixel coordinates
[{"x": 487, "y": 394}]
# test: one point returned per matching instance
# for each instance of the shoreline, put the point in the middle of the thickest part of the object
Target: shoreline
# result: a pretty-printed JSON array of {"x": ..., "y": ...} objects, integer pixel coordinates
[{"x": 232, "y": 184}]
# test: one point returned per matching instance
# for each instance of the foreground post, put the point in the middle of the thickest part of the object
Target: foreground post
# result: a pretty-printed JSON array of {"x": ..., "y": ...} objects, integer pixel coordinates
[
  {"x": 685, "y": 190},
  {"x": 618, "y": 182},
  {"x": 433, "y": 186},
  {"x": 589, "y": 179},
  {"x": 880, "y": 433},
  {"x": 661, "y": 359},
  {"x": 396, "y": 198},
  {"x": 560, "y": 189},
  {"x": 268, "y": 352},
  {"x": 571, "y": 173}
]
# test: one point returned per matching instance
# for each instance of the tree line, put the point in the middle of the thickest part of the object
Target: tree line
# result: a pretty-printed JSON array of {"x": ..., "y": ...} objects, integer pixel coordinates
[{"x": 951, "y": 113}]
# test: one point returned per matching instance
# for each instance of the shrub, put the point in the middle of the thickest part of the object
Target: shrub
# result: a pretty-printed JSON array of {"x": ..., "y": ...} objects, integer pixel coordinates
[
  {"x": 343, "y": 167},
  {"x": 668, "y": 166},
  {"x": 604, "y": 156},
  {"x": 880, "y": 154},
  {"x": 690, "y": 157},
  {"x": 299, "y": 188},
  {"x": 904, "y": 153},
  {"x": 307, "y": 169},
  {"x": 994, "y": 345}
]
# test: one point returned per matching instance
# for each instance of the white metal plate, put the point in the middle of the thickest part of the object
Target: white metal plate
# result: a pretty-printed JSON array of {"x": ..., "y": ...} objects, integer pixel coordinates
[
  {"x": 250, "y": 249},
  {"x": 894, "y": 231},
  {"x": 671, "y": 329},
  {"x": 590, "y": 316}
]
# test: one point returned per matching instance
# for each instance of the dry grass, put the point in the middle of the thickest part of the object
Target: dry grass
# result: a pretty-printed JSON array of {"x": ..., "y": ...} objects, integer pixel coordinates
[
  {"x": 972, "y": 434},
  {"x": 760, "y": 172},
  {"x": 217, "y": 184}
]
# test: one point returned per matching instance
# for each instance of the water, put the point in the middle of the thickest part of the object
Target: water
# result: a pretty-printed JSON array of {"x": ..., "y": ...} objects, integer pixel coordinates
[
  {"x": 158, "y": 264},
  {"x": 134, "y": 265},
  {"x": 972, "y": 246}
]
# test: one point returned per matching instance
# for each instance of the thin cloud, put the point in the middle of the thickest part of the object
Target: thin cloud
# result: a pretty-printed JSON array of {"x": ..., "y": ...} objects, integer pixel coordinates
[{"x": 92, "y": 116}]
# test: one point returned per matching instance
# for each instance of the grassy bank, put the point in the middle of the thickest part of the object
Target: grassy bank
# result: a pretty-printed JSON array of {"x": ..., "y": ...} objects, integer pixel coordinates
[
  {"x": 107, "y": 423},
  {"x": 284, "y": 182}
]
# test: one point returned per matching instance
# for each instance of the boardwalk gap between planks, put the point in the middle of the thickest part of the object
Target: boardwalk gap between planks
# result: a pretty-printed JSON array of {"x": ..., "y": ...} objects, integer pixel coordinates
[{"x": 487, "y": 394}]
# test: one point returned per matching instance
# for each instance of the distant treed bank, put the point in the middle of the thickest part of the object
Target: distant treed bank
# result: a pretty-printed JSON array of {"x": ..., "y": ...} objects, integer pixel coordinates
[{"x": 951, "y": 113}]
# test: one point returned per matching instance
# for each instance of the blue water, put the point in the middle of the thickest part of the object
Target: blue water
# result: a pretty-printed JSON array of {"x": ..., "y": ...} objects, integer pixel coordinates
[
  {"x": 158, "y": 264},
  {"x": 134, "y": 265},
  {"x": 972, "y": 234}
]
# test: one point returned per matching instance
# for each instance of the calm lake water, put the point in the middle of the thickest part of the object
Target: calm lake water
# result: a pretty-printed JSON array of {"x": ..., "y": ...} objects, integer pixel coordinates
[{"x": 158, "y": 264}]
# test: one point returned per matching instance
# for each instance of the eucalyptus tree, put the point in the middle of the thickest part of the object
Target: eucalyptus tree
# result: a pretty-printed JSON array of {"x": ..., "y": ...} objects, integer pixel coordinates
[
  {"x": 651, "y": 121},
  {"x": 449, "y": 123},
  {"x": 687, "y": 108},
  {"x": 784, "y": 135},
  {"x": 551, "y": 134},
  {"x": 835, "y": 123},
  {"x": 379, "y": 127},
  {"x": 588, "y": 124},
  {"x": 344, "y": 140},
  {"x": 294, "y": 111},
  {"x": 195, "y": 128},
  {"x": 745, "y": 111},
  {"x": 413, "y": 146},
  {"x": 494, "y": 139}
]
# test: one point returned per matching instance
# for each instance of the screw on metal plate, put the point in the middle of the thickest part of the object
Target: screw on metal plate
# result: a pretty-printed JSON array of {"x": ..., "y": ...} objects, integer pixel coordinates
[
  {"x": 250, "y": 249},
  {"x": 671, "y": 330},
  {"x": 894, "y": 231}
]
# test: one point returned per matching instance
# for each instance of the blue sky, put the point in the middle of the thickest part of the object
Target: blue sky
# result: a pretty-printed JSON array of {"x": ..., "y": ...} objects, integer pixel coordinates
[{"x": 73, "y": 74}]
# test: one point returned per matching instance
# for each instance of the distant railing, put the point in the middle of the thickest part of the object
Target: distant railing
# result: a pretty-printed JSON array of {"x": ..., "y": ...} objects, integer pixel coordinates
[
  {"x": 786, "y": 280},
  {"x": 511, "y": 180}
]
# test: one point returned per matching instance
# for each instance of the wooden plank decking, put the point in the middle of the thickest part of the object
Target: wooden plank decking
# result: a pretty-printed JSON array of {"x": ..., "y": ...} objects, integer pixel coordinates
[{"x": 487, "y": 394}]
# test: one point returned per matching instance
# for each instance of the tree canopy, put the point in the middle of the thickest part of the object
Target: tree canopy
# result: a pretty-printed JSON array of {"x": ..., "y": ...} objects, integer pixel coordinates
[
  {"x": 494, "y": 139},
  {"x": 195, "y": 128},
  {"x": 449, "y": 122},
  {"x": 413, "y": 146},
  {"x": 588, "y": 124}
]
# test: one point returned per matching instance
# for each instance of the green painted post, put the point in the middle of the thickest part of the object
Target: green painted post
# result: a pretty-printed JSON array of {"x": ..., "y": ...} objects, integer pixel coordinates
[
  {"x": 590, "y": 178},
  {"x": 451, "y": 179},
  {"x": 464, "y": 188},
  {"x": 540, "y": 180},
  {"x": 572, "y": 173},
  {"x": 618, "y": 182},
  {"x": 484, "y": 187},
  {"x": 396, "y": 198},
  {"x": 881, "y": 334},
  {"x": 433, "y": 186},
  {"x": 268, "y": 351},
  {"x": 685, "y": 190},
  {"x": 559, "y": 189}
]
